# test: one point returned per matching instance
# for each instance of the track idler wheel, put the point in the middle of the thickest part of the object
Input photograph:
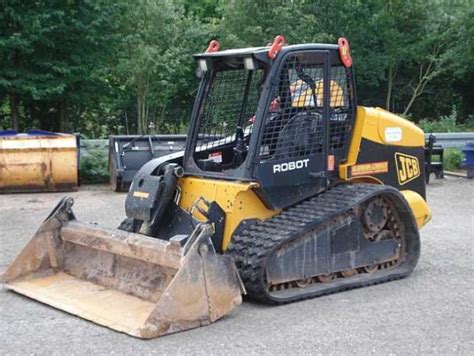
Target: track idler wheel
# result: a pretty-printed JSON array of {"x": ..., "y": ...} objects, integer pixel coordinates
[{"x": 375, "y": 216}]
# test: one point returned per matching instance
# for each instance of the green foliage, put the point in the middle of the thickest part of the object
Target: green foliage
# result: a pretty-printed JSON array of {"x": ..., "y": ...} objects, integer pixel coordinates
[
  {"x": 447, "y": 124},
  {"x": 452, "y": 159},
  {"x": 444, "y": 124},
  {"x": 469, "y": 123},
  {"x": 94, "y": 167},
  {"x": 54, "y": 56},
  {"x": 103, "y": 67}
]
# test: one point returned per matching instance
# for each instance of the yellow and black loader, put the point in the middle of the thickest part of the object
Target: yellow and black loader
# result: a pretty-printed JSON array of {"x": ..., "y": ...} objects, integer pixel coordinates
[{"x": 286, "y": 190}]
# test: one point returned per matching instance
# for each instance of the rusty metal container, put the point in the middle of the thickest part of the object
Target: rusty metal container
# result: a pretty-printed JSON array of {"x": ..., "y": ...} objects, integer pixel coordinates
[{"x": 38, "y": 161}]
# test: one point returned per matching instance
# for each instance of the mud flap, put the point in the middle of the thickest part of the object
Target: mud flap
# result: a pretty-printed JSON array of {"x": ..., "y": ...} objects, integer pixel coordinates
[{"x": 128, "y": 282}]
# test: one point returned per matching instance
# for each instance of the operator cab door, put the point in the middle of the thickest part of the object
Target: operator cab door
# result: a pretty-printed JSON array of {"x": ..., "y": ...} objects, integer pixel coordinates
[{"x": 292, "y": 154}]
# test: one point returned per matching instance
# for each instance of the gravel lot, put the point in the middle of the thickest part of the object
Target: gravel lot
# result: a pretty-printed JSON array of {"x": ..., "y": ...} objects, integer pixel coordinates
[{"x": 429, "y": 312}]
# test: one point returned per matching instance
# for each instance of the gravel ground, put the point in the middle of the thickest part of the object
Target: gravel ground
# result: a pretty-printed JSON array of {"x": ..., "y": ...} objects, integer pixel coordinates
[{"x": 431, "y": 312}]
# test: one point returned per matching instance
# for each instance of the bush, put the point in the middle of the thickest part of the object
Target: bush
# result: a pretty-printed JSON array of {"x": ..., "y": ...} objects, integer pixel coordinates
[
  {"x": 94, "y": 166},
  {"x": 452, "y": 159},
  {"x": 447, "y": 124},
  {"x": 470, "y": 123},
  {"x": 444, "y": 124}
]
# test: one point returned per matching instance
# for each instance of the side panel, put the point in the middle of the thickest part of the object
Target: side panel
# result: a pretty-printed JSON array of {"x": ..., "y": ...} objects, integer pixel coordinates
[
  {"x": 238, "y": 200},
  {"x": 398, "y": 166},
  {"x": 386, "y": 149}
]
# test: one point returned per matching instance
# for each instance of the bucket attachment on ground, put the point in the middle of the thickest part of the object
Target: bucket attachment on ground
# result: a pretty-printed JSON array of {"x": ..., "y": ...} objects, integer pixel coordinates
[
  {"x": 128, "y": 153},
  {"x": 129, "y": 282}
]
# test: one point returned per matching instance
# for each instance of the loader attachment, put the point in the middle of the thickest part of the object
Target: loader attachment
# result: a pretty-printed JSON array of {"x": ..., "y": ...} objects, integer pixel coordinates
[{"x": 129, "y": 282}]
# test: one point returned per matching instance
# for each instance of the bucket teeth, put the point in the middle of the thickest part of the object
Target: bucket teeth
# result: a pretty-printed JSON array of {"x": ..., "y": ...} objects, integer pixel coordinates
[{"x": 129, "y": 282}]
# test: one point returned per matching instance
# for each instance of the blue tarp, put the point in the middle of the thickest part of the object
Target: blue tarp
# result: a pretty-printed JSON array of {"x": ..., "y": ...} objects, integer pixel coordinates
[
  {"x": 29, "y": 132},
  {"x": 8, "y": 133}
]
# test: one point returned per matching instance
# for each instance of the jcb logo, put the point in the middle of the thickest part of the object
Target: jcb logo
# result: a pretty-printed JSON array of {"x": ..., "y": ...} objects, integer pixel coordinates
[{"x": 408, "y": 168}]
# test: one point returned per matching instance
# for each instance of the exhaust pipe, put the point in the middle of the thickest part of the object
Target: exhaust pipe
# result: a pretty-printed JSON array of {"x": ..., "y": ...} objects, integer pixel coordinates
[{"x": 131, "y": 283}]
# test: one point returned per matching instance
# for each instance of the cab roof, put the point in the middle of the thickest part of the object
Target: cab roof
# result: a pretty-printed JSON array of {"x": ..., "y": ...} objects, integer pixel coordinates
[{"x": 258, "y": 51}]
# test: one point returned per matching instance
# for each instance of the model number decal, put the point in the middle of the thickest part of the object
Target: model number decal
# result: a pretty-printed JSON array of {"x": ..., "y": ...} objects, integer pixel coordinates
[
  {"x": 369, "y": 168},
  {"x": 290, "y": 166}
]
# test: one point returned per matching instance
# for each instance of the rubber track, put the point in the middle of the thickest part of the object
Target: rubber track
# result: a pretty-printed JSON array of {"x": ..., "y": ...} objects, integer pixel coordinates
[{"x": 252, "y": 246}]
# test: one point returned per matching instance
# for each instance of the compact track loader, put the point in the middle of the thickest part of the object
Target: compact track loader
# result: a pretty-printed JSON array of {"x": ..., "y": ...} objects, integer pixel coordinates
[{"x": 286, "y": 190}]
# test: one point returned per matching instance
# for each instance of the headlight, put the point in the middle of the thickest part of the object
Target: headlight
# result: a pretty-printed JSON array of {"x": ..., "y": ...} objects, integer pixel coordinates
[
  {"x": 249, "y": 63},
  {"x": 203, "y": 65}
]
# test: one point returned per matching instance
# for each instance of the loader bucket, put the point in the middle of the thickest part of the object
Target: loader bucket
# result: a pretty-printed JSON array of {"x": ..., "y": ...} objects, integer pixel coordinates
[{"x": 128, "y": 282}]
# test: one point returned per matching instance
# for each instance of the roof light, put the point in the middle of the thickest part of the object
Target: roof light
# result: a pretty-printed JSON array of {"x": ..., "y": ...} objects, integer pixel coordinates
[
  {"x": 249, "y": 64},
  {"x": 203, "y": 65},
  {"x": 344, "y": 52}
]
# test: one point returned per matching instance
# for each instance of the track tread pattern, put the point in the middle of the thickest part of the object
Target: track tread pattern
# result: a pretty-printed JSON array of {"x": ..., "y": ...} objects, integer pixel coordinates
[{"x": 251, "y": 247}]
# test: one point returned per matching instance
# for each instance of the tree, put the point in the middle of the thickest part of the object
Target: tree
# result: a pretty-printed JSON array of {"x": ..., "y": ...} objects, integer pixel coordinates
[
  {"x": 156, "y": 48},
  {"x": 97, "y": 65},
  {"x": 54, "y": 54}
]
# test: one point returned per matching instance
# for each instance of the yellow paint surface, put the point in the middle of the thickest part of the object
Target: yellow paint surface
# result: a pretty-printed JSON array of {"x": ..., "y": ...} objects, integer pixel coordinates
[
  {"x": 302, "y": 95},
  {"x": 38, "y": 163},
  {"x": 371, "y": 124},
  {"x": 237, "y": 199},
  {"x": 419, "y": 207}
]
